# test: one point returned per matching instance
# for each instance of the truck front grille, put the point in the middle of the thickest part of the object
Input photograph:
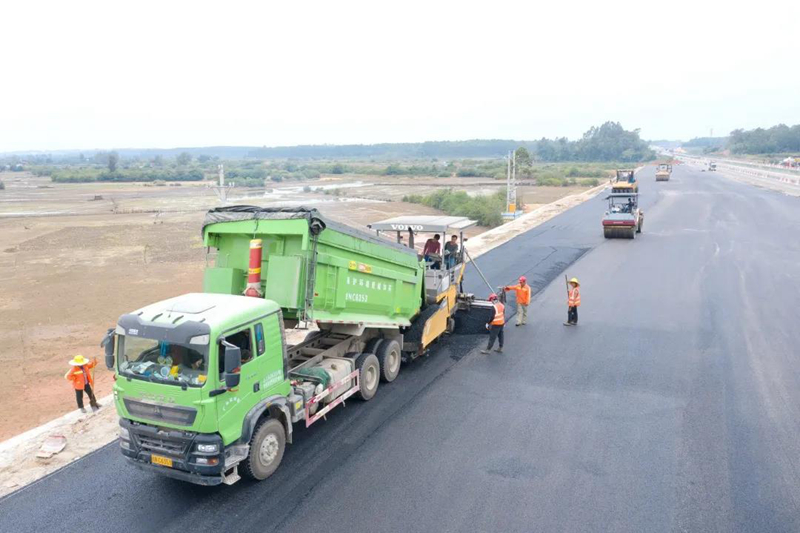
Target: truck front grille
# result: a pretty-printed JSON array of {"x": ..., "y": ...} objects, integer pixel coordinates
[
  {"x": 161, "y": 446},
  {"x": 183, "y": 416}
]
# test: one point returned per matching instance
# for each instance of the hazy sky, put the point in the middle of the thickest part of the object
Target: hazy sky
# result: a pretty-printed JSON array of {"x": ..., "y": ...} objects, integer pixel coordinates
[{"x": 110, "y": 74}]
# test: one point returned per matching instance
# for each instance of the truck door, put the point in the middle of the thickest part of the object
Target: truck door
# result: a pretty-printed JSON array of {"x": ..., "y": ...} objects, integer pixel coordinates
[
  {"x": 234, "y": 405},
  {"x": 262, "y": 375},
  {"x": 271, "y": 363}
]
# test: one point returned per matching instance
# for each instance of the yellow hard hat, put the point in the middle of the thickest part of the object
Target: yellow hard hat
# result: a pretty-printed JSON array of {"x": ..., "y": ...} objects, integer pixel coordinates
[
  {"x": 79, "y": 360},
  {"x": 575, "y": 281}
]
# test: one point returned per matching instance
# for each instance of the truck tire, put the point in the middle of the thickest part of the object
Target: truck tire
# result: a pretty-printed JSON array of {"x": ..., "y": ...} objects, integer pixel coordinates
[
  {"x": 266, "y": 450},
  {"x": 369, "y": 373},
  {"x": 389, "y": 357},
  {"x": 372, "y": 345}
]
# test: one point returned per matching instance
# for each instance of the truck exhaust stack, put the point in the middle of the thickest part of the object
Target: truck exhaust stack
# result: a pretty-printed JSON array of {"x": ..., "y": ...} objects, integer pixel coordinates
[{"x": 254, "y": 270}]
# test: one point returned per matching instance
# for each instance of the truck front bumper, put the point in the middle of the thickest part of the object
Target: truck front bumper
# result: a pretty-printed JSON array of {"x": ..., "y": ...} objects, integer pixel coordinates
[
  {"x": 197, "y": 479},
  {"x": 179, "y": 447}
]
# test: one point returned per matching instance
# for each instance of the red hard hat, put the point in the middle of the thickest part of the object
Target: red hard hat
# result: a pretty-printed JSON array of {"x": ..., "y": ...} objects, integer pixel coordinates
[
  {"x": 492, "y": 297},
  {"x": 522, "y": 278}
]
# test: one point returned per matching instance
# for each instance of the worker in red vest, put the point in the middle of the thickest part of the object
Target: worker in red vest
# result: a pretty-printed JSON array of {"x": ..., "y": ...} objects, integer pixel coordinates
[
  {"x": 82, "y": 380},
  {"x": 573, "y": 302},
  {"x": 495, "y": 324},
  {"x": 523, "y": 293}
]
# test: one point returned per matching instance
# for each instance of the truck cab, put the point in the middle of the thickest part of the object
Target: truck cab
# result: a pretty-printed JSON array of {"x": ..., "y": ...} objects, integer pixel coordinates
[{"x": 192, "y": 375}]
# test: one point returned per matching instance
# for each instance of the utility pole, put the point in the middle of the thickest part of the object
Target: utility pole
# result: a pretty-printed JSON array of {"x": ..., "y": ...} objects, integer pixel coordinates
[
  {"x": 221, "y": 189},
  {"x": 511, "y": 186}
]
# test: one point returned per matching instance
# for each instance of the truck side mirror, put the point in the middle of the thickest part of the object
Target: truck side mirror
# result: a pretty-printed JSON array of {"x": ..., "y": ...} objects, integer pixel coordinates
[
  {"x": 108, "y": 345},
  {"x": 233, "y": 363}
]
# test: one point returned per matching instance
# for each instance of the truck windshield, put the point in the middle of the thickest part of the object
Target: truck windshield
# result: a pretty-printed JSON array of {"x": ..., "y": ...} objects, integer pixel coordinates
[{"x": 161, "y": 361}]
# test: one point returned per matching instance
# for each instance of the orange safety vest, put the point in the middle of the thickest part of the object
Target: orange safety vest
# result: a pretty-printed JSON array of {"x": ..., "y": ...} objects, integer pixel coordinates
[
  {"x": 574, "y": 299},
  {"x": 523, "y": 293},
  {"x": 76, "y": 373},
  {"x": 499, "y": 314}
]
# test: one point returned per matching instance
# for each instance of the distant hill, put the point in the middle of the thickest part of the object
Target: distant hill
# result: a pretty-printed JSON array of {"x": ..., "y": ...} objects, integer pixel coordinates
[
  {"x": 424, "y": 150},
  {"x": 607, "y": 142}
]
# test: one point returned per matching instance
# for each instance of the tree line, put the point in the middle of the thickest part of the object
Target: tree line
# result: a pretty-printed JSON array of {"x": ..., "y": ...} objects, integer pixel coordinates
[
  {"x": 607, "y": 142},
  {"x": 775, "y": 140},
  {"x": 780, "y": 139}
]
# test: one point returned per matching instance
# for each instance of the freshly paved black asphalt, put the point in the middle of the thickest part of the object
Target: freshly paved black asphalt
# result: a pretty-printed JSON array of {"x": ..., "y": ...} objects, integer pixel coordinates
[{"x": 673, "y": 406}]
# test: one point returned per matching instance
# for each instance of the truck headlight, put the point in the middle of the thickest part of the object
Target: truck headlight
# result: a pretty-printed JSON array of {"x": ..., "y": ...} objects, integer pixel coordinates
[
  {"x": 124, "y": 434},
  {"x": 208, "y": 448}
]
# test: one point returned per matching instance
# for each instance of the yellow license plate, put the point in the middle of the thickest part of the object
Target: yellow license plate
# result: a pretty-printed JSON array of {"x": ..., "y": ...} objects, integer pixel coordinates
[{"x": 163, "y": 461}]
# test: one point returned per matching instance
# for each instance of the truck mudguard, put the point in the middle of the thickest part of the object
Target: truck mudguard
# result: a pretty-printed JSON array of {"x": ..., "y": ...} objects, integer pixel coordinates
[{"x": 250, "y": 421}]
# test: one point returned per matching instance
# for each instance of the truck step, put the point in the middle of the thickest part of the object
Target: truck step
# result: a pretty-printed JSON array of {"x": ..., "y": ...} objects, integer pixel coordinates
[{"x": 233, "y": 477}]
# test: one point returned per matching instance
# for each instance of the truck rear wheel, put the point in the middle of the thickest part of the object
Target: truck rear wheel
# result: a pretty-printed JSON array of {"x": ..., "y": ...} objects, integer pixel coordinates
[
  {"x": 389, "y": 357},
  {"x": 369, "y": 373},
  {"x": 266, "y": 450}
]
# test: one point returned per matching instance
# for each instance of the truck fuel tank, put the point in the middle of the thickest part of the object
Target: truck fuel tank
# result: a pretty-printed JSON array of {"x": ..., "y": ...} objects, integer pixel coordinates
[{"x": 338, "y": 369}]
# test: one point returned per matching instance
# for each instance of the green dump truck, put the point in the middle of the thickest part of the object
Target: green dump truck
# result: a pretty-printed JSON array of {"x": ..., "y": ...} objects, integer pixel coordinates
[{"x": 208, "y": 386}]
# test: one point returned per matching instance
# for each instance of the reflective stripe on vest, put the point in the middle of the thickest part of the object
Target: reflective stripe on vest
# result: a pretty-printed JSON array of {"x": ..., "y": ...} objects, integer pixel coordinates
[{"x": 499, "y": 314}]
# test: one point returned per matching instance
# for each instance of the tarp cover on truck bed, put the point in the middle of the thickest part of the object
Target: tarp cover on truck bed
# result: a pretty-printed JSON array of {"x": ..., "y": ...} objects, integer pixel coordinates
[
  {"x": 317, "y": 222},
  {"x": 235, "y": 213}
]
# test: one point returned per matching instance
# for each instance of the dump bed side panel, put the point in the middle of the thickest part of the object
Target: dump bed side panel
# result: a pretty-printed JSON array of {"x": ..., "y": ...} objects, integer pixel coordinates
[{"x": 357, "y": 278}]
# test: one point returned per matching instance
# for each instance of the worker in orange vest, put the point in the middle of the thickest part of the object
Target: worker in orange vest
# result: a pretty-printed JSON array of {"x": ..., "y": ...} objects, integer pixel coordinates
[
  {"x": 495, "y": 324},
  {"x": 82, "y": 380},
  {"x": 573, "y": 302},
  {"x": 523, "y": 293}
]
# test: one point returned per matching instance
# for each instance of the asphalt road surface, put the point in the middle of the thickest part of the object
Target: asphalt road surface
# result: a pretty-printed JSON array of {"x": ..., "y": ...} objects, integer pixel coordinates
[{"x": 673, "y": 406}]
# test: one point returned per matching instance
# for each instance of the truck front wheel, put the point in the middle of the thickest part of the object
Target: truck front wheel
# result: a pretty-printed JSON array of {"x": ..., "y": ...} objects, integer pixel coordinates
[
  {"x": 266, "y": 450},
  {"x": 368, "y": 375}
]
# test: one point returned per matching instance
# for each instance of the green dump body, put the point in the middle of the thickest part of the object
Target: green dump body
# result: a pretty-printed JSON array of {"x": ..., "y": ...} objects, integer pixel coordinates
[{"x": 313, "y": 268}]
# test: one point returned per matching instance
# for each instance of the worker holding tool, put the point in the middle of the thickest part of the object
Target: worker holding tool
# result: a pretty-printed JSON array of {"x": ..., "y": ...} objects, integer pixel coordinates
[
  {"x": 82, "y": 380},
  {"x": 432, "y": 248},
  {"x": 573, "y": 301},
  {"x": 523, "y": 293},
  {"x": 495, "y": 325}
]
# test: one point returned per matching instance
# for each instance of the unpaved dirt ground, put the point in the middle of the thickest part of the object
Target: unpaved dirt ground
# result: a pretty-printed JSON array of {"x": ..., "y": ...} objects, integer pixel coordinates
[{"x": 73, "y": 257}]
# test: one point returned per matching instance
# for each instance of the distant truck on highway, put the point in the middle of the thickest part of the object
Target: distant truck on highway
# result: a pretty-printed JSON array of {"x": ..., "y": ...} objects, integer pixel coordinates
[
  {"x": 712, "y": 166},
  {"x": 208, "y": 386}
]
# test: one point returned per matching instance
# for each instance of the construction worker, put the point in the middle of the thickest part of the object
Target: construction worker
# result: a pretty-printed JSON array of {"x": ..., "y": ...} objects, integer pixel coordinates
[
  {"x": 431, "y": 252},
  {"x": 451, "y": 252},
  {"x": 573, "y": 302},
  {"x": 82, "y": 380},
  {"x": 523, "y": 293},
  {"x": 495, "y": 324}
]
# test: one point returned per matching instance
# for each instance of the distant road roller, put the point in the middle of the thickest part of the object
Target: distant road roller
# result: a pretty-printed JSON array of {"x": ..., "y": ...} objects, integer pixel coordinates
[
  {"x": 625, "y": 181},
  {"x": 624, "y": 218},
  {"x": 663, "y": 172}
]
